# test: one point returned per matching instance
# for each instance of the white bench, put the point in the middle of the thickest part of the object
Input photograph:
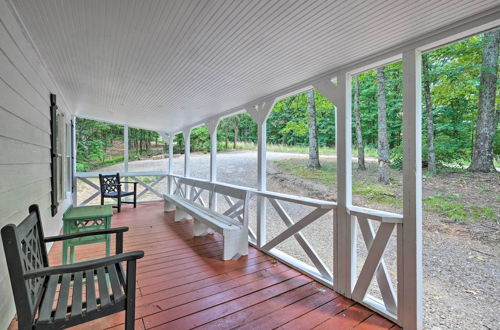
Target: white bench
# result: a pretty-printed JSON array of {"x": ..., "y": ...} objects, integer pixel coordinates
[{"x": 232, "y": 224}]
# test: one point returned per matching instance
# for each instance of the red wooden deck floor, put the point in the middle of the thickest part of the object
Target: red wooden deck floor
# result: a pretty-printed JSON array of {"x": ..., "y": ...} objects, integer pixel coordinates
[{"x": 182, "y": 283}]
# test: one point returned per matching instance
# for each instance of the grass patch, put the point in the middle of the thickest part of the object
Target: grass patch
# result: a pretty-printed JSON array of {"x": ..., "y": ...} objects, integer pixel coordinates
[
  {"x": 325, "y": 175},
  {"x": 376, "y": 193},
  {"x": 447, "y": 205},
  {"x": 450, "y": 206},
  {"x": 369, "y": 152}
]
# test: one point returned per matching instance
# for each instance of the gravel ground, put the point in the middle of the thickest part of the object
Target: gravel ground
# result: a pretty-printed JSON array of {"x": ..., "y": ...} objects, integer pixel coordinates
[{"x": 461, "y": 272}]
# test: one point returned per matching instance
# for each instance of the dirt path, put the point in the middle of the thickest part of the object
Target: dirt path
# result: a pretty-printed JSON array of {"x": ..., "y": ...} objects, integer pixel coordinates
[{"x": 461, "y": 260}]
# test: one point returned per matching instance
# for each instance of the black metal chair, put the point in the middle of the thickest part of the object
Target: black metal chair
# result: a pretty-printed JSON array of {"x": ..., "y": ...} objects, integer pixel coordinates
[
  {"x": 111, "y": 187},
  {"x": 34, "y": 283}
]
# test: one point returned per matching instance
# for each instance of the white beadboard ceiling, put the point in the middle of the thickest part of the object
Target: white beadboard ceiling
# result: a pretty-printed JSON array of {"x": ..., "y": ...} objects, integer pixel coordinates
[{"x": 164, "y": 65}]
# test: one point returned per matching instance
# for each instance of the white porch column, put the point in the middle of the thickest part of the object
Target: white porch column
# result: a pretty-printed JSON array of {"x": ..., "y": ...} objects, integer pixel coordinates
[
  {"x": 262, "y": 183},
  {"x": 125, "y": 153},
  {"x": 344, "y": 268},
  {"x": 125, "y": 148},
  {"x": 410, "y": 307},
  {"x": 187, "y": 151},
  {"x": 170, "y": 140},
  {"x": 259, "y": 114},
  {"x": 212, "y": 129},
  {"x": 171, "y": 153}
]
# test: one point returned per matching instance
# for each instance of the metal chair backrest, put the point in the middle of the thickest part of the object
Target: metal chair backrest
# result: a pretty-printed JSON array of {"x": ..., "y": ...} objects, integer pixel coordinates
[
  {"x": 25, "y": 251},
  {"x": 109, "y": 183}
]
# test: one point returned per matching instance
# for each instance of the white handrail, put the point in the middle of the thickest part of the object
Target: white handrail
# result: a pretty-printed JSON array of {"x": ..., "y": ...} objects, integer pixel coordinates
[
  {"x": 299, "y": 200},
  {"x": 382, "y": 216},
  {"x": 96, "y": 174},
  {"x": 274, "y": 195}
]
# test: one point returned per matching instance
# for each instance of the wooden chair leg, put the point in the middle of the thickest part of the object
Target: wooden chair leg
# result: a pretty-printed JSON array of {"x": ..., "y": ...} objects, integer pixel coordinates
[
  {"x": 102, "y": 200},
  {"x": 130, "y": 309},
  {"x": 135, "y": 195},
  {"x": 119, "y": 206}
]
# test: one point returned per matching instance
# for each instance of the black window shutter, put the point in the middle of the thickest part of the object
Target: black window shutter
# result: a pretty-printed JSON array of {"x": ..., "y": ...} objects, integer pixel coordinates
[{"x": 54, "y": 152}]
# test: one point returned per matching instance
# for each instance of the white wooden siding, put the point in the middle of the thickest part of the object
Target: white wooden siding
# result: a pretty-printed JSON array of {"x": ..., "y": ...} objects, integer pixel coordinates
[{"x": 24, "y": 141}]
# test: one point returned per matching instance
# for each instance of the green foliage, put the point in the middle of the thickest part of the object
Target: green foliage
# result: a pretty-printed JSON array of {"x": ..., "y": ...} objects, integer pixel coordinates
[
  {"x": 288, "y": 123},
  {"x": 200, "y": 139},
  {"x": 92, "y": 139},
  {"x": 95, "y": 141},
  {"x": 179, "y": 144}
]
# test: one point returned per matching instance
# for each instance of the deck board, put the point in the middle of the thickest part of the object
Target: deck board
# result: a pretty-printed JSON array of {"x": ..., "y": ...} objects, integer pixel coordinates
[{"x": 182, "y": 283}]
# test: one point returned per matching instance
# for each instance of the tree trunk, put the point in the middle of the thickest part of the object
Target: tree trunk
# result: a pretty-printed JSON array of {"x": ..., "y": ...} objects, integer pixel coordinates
[
  {"x": 359, "y": 136},
  {"x": 487, "y": 117},
  {"x": 431, "y": 156},
  {"x": 236, "y": 123},
  {"x": 313, "y": 132},
  {"x": 235, "y": 139},
  {"x": 383, "y": 144}
]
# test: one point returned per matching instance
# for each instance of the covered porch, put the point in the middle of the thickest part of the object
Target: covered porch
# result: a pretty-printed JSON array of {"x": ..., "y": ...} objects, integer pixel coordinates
[{"x": 174, "y": 66}]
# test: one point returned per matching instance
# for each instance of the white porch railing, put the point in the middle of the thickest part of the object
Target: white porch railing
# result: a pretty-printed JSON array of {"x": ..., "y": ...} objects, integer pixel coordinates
[
  {"x": 376, "y": 228},
  {"x": 151, "y": 186},
  {"x": 320, "y": 271}
]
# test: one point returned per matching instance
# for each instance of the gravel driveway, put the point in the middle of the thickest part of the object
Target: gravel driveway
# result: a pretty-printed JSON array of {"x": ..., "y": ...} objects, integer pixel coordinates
[{"x": 461, "y": 274}]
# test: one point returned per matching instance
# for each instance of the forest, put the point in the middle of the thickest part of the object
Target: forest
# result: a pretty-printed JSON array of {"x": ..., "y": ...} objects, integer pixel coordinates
[{"x": 460, "y": 98}]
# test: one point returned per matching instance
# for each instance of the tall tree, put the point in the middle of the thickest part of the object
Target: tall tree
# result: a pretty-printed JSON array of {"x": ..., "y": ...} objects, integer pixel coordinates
[
  {"x": 383, "y": 143},
  {"x": 431, "y": 154},
  {"x": 359, "y": 136},
  {"x": 487, "y": 116},
  {"x": 313, "y": 132}
]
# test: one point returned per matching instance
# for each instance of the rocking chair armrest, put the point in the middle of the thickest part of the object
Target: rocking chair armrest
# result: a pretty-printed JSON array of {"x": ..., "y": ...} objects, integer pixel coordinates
[
  {"x": 85, "y": 265},
  {"x": 86, "y": 233}
]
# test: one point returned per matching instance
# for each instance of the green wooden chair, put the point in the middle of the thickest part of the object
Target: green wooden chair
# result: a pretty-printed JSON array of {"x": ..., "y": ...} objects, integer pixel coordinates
[{"x": 34, "y": 283}]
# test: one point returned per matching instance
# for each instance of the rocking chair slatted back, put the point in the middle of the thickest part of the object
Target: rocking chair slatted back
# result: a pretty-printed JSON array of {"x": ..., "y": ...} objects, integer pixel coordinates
[{"x": 25, "y": 250}]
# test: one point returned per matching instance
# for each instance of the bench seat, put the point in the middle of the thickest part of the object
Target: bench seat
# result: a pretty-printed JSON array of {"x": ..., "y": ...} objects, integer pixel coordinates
[{"x": 207, "y": 221}]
